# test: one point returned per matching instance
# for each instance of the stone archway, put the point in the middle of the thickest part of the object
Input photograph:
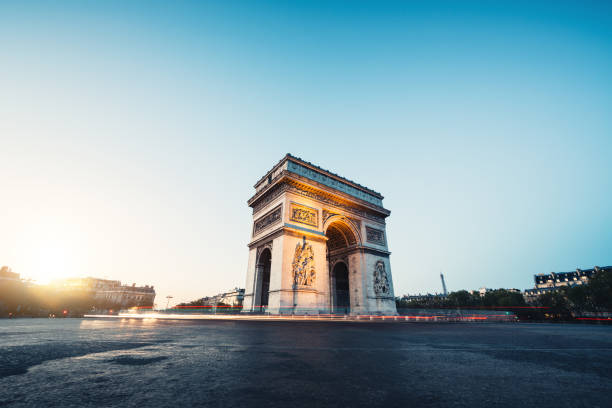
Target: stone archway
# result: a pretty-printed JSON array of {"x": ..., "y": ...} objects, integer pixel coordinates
[
  {"x": 340, "y": 289},
  {"x": 340, "y": 235},
  {"x": 342, "y": 240},
  {"x": 264, "y": 264}
]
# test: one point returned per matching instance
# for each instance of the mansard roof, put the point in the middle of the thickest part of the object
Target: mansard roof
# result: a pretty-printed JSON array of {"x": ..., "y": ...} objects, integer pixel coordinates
[{"x": 544, "y": 277}]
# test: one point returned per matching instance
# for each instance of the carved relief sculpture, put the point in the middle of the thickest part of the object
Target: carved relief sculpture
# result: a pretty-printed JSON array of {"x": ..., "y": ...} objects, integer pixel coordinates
[
  {"x": 297, "y": 188},
  {"x": 381, "y": 282},
  {"x": 375, "y": 236},
  {"x": 304, "y": 215},
  {"x": 303, "y": 264},
  {"x": 270, "y": 218}
]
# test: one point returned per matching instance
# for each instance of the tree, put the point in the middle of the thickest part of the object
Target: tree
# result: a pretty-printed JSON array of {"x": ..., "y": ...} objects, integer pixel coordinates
[
  {"x": 579, "y": 298},
  {"x": 463, "y": 298},
  {"x": 557, "y": 304},
  {"x": 503, "y": 298},
  {"x": 600, "y": 290}
]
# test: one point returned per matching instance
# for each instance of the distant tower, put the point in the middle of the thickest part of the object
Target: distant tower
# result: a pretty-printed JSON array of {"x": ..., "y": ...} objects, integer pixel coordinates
[{"x": 443, "y": 284}]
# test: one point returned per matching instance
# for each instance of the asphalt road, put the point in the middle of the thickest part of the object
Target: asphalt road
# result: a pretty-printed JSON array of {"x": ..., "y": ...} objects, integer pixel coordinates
[{"x": 74, "y": 362}]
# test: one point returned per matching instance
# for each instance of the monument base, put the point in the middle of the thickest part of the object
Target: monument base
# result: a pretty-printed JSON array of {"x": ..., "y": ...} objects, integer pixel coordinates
[
  {"x": 382, "y": 306},
  {"x": 303, "y": 300}
]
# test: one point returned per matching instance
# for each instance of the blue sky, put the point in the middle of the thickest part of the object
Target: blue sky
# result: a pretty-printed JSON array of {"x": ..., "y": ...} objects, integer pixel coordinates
[{"x": 132, "y": 133}]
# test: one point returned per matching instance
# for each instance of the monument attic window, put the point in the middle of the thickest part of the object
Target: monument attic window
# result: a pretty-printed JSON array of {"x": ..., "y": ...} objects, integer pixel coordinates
[{"x": 269, "y": 179}]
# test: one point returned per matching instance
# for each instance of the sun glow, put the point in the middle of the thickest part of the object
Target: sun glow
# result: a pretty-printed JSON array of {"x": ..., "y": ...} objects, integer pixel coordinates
[
  {"x": 52, "y": 262},
  {"x": 51, "y": 252}
]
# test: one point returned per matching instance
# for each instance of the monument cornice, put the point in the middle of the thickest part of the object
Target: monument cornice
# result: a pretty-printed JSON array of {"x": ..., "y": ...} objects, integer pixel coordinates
[
  {"x": 288, "y": 229},
  {"x": 335, "y": 193},
  {"x": 374, "y": 251},
  {"x": 298, "y": 289},
  {"x": 358, "y": 248},
  {"x": 265, "y": 238},
  {"x": 314, "y": 167},
  {"x": 290, "y": 182}
]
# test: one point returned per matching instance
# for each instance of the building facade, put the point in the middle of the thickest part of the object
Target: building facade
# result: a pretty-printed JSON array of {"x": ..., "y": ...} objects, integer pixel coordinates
[
  {"x": 7, "y": 275},
  {"x": 318, "y": 244},
  {"x": 232, "y": 298},
  {"x": 105, "y": 291},
  {"x": 550, "y": 282}
]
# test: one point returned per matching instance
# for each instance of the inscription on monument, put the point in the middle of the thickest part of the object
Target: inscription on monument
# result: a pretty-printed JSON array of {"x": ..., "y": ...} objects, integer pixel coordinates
[
  {"x": 375, "y": 236},
  {"x": 270, "y": 218},
  {"x": 303, "y": 215},
  {"x": 304, "y": 273},
  {"x": 381, "y": 282}
]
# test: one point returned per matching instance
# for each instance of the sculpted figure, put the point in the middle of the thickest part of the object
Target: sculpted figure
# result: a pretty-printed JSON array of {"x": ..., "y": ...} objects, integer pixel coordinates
[
  {"x": 381, "y": 282},
  {"x": 303, "y": 264}
]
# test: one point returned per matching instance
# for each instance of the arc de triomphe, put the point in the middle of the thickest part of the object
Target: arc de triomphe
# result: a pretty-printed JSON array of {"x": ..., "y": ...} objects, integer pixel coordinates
[{"x": 318, "y": 244}]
